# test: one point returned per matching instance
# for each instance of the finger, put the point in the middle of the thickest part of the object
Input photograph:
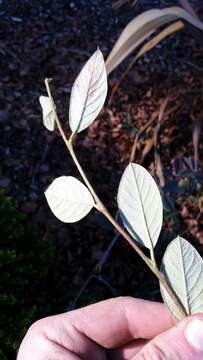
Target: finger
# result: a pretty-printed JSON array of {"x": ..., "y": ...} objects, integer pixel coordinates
[
  {"x": 182, "y": 342},
  {"x": 115, "y": 322},
  {"x": 41, "y": 348},
  {"x": 127, "y": 351},
  {"x": 108, "y": 324}
]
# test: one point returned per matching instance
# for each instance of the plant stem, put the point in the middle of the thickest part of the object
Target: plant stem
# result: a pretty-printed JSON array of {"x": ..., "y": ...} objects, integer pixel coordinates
[
  {"x": 152, "y": 255},
  {"x": 70, "y": 148},
  {"x": 101, "y": 207}
]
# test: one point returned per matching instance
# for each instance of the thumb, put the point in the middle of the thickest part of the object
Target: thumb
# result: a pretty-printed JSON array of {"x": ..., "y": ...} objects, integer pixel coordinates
[{"x": 181, "y": 342}]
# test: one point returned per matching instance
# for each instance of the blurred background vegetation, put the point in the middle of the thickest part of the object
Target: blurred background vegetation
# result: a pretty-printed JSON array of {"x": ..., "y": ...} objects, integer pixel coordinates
[{"x": 47, "y": 266}]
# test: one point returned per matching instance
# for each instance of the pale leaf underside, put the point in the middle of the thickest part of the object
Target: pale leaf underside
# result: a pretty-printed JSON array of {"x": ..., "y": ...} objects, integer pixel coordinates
[
  {"x": 88, "y": 93},
  {"x": 140, "y": 205},
  {"x": 183, "y": 268},
  {"x": 47, "y": 112},
  {"x": 69, "y": 199}
]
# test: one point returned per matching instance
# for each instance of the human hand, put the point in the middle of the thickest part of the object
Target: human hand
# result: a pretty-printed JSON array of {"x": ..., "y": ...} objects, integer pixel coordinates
[{"x": 122, "y": 328}]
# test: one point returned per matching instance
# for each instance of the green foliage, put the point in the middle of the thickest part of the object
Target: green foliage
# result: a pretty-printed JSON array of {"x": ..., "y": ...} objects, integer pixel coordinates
[{"x": 24, "y": 264}]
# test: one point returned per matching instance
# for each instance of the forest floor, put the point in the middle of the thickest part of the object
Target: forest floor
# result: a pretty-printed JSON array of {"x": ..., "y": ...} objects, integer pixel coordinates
[{"x": 54, "y": 39}]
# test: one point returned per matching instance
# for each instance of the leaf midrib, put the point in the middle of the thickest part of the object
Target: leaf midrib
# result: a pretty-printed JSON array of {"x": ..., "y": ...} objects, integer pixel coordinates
[
  {"x": 87, "y": 95},
  {"x": 142, "y": 207},
  {"x": 186, "y": 303}
]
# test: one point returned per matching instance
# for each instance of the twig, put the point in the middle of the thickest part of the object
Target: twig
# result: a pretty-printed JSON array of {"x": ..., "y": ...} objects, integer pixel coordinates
[
  {"x": 100, "y": 206},
  {"x": 98, "y": 267},
  {"x": 69, "y": 146},
  {"x": 95, "y": 273},
  {"x": 145, "y": 127},
  {"x": 139, "y": 133},
  {"x": 72, "y": 305},
  {"x": 106, "y": 283},
  {"x": 149, "y": 144},
  {"x": 157, "y": 157},
  {"x": 195, "y": 136},
  {"x": 106, "y": 254}
]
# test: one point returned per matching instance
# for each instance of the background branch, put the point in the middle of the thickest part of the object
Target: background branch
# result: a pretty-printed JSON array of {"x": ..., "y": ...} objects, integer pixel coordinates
[{"x": 157, "y": 144}]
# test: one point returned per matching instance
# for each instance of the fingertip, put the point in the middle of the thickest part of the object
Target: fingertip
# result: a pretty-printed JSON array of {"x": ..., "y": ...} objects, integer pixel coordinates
[
  {"x": 182, "y": 341},
  {"x": 194, "y": 332}
]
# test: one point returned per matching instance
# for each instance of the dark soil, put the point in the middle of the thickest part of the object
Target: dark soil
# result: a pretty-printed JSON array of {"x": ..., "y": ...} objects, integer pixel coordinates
[{"x": 54, "y": 39}]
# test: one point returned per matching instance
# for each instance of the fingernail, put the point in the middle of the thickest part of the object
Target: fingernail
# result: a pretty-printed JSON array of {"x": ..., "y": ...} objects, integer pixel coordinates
[{"x": 194, "y": 334}]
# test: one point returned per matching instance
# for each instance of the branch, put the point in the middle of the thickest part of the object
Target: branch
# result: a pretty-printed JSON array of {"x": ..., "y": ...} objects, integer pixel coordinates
[
  {"x": 157, "y": 157},
  {"x": 100, "y": 264},
  {"x": 139, "y": 133},
  {"x": 72, "y": 305},
  {"x": 145, "y": 127},
  {"x": 100, "y": 206}
]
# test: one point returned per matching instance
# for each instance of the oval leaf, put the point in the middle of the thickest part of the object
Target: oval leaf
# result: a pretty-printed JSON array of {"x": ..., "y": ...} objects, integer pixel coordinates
[
  {"x": 88, "y": 93},
  {"x": 182, "y": 267},
  {"x": 140, "y": 205},
  {"x": 143, "y": 26},
  {"x": 47, "y": 112},
  {"x": 69, "y": 199}
]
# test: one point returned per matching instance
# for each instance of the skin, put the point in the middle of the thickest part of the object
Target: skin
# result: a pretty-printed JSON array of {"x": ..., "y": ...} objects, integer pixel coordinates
[{"x": 122, "y": 328}]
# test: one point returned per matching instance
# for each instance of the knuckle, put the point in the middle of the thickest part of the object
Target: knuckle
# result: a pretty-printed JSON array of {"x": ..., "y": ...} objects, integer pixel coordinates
[
  {"x": 41, "y": 325},
  {"x": 37, "y": 326},
  {"x": 34, "y": 343},
  {"x": 153, "y": 352}
]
